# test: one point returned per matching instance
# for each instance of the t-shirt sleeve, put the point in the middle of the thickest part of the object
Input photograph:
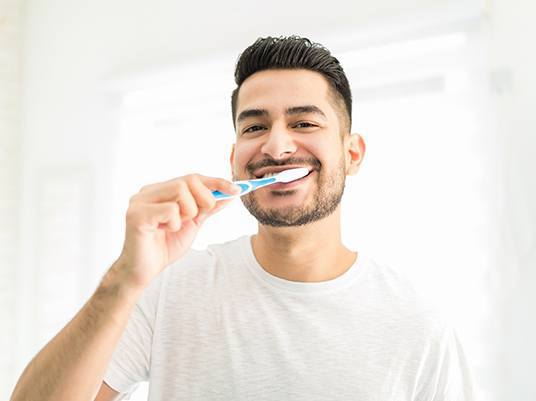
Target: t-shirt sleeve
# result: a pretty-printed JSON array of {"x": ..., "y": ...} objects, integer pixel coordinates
[
  {"x": 131, "y": 359},
  {"x": 448, "y": 377}
]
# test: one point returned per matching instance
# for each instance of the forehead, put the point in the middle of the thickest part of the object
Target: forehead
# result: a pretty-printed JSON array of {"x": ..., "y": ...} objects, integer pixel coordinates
[{"x": 275, "y": 90}]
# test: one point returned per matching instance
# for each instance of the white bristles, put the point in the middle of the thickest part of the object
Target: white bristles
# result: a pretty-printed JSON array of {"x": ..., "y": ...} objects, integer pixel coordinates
[{"x": 292, "y": 174}]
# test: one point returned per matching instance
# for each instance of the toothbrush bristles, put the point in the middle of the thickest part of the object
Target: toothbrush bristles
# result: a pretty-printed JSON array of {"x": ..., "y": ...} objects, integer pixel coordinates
[{"x": 292, "y": 174}]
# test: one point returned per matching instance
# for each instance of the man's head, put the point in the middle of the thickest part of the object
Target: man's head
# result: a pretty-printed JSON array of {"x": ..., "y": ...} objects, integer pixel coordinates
[
  {"x": 292, "y": 108},
  {"x": 296, "y": 53}
]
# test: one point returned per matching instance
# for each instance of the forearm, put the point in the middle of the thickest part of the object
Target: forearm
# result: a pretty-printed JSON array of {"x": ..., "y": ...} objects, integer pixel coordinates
[{"x": 72, "y": 365}]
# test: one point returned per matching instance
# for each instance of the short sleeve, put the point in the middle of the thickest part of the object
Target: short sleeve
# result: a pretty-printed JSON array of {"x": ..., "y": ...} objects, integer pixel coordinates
[
  {"x": 131, "y": 359},
  {"x": 447, "y": 376}
]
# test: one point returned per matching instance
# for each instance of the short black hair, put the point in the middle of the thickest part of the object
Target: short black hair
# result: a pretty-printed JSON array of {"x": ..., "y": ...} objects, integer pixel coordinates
[{"x": 294, "y": 52}]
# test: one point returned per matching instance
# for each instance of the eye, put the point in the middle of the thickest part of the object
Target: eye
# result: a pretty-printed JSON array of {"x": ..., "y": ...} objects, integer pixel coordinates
[
  {"x": 304, "y": 124},
  {"x": 253, "y": 128}
]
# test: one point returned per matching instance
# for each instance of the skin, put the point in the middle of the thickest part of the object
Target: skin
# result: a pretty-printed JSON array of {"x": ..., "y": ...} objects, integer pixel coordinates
[{"x": 310, "y": 252}]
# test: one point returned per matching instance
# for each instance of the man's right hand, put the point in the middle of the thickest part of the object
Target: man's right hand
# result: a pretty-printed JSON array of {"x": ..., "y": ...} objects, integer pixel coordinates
[{"x": 162, "y": 221}]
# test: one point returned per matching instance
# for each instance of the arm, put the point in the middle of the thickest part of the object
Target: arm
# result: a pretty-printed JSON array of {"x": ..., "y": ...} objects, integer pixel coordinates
[
  {"x": 106, "y": 393},
  {"x": 71, "y": 366},
  {"x": 446, "y": 373},
  {"x": 161, "y": 223}
]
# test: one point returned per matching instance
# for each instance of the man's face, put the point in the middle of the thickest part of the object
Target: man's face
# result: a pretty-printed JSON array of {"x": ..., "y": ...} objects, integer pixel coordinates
[{"x": 286, "y": 119}]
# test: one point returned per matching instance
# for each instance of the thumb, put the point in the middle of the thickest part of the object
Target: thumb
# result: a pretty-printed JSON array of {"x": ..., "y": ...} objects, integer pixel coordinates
[
  {"x": 200, "y": 218},
  {"x": 219, "y": 206}
]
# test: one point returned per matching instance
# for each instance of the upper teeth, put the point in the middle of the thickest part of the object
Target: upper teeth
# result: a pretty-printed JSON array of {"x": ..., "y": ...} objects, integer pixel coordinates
[{"x": 268, "y": 175}]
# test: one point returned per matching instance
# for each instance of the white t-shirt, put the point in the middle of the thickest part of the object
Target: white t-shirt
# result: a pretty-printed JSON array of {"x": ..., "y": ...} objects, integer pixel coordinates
[{"x": 216, "y": 326}]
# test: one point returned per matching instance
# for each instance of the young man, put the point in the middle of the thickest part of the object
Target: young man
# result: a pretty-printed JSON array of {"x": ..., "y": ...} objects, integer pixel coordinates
[{"x": 287, "y": 314}]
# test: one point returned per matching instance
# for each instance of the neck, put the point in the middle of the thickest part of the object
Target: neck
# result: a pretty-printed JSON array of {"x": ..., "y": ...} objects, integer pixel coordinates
[{"x": 309, "y": 253}]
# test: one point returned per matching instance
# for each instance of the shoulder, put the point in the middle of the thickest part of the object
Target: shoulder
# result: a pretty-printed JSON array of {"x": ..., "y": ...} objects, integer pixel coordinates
[
  {"x": 202, "y": 264},
  {"x": 422, "y": 331},
  {"x": 398, "y": 298}
]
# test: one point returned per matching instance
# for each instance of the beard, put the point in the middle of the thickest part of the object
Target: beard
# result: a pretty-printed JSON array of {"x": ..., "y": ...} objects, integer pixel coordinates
[{"x": 328, "y": 191}]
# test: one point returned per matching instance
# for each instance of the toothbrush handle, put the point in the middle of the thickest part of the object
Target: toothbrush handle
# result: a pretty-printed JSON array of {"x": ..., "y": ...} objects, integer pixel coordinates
[
  {"x": 243, "y": 185},
  {"x": 246, "y": 186},
  {"x": 220, "y": 195}
]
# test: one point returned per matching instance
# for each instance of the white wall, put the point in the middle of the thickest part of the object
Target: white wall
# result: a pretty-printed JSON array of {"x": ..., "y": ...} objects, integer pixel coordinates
[
  {"x": 10, "y": 83},
  {"x": 69, "y": 128},
  {"x": 512, "y": 29}
]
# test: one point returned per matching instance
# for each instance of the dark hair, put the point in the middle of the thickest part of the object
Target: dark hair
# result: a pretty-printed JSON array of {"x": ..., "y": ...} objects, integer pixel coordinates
[{"x": 293, "y": 52}]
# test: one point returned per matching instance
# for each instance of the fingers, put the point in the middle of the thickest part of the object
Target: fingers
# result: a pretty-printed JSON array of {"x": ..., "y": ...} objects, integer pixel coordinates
[
  {"x": 203, "y": 195},
  {"x": 170, "y": 190},
  {"x": 220, "y": 205},
  {"x": 168, "y": 204},
  {"x": 145, "y": 217}
]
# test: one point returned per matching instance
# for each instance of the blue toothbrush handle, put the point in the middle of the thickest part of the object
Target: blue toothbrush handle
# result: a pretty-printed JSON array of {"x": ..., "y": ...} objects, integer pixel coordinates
[
  {"x": 220, "y": 195},
  {"x": 246, "y": 186}
]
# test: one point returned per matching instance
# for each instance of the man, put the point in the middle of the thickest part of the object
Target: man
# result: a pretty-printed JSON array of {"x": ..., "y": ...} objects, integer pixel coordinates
[{"x": 287, "y": 314}]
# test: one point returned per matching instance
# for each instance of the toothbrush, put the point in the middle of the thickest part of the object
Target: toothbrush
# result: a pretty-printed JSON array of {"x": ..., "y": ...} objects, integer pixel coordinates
[{"x": 251, "y": 185}]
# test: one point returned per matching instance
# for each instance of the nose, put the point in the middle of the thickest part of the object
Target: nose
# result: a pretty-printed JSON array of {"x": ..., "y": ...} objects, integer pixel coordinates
[{"x": 279, "y": 143}]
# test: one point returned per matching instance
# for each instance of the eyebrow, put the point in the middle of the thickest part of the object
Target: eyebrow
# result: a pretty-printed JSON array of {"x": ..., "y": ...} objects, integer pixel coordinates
[
  {"x": 310, "y": 108},
  {"x": 251, "y": 113},
  {"x": 289, "y": 111}
]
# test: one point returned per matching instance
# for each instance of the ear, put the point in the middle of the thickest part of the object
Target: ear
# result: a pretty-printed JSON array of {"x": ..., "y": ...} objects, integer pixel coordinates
[
  {"x": 354, "y": 152},
  {"x": 231, "y": 159}
]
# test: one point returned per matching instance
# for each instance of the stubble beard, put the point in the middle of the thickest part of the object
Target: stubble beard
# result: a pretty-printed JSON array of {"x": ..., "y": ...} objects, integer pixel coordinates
[{"x": 327, "y": 196}]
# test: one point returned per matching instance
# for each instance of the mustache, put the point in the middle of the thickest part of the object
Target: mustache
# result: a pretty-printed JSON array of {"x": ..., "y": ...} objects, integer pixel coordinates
[{"x": 310, "y": 162}]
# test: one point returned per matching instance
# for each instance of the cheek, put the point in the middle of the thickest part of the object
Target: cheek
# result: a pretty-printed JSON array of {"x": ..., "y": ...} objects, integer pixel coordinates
[
  {"x": 244, "y": 154},
  {"x": 331, "y": 163},
  {"x": 319, "y": 150}
]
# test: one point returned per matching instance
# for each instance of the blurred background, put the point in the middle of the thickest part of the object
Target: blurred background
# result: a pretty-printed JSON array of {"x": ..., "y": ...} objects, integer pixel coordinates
[{"x": 98, "y": 98}]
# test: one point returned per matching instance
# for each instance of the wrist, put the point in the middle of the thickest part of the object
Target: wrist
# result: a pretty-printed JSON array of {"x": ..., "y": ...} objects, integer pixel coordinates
[{"x": 116, "y": 283}]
